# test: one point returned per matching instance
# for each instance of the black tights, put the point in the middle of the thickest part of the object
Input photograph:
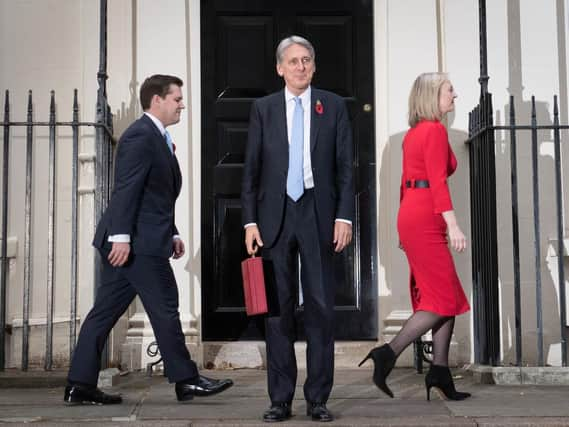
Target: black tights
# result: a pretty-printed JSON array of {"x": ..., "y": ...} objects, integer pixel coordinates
[{"x": 417, "y": 325}]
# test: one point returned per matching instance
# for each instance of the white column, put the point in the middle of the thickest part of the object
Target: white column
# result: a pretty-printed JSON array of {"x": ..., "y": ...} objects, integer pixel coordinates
[
  {"x": 399, "y": 57},
  {"x": 159, "y": 45}
]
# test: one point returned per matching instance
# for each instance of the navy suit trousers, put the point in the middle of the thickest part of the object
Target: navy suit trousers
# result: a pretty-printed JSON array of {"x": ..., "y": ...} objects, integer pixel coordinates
[
  {"x": 152, "y": 279},
  {"x": 299, "y": 236}
]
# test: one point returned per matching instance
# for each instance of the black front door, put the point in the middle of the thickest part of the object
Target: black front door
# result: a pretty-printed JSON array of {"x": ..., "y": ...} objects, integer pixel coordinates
[{"x": 238, "y": 65}]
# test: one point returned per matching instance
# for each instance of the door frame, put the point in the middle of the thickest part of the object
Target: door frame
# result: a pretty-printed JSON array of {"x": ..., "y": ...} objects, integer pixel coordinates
[{"x": 197, "y": 137}]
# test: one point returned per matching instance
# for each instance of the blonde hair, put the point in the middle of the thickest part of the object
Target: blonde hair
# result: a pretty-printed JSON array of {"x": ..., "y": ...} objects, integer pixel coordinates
[{"x": 424, "y": 97}]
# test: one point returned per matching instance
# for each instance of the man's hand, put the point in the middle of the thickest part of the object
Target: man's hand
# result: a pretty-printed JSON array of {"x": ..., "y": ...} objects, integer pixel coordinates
[
  {"x": 252, "y": 239},
  {"x": 179, "y": 248},
  {"x": 118, "y": 256},
  {"x": 342, "y": 235}
]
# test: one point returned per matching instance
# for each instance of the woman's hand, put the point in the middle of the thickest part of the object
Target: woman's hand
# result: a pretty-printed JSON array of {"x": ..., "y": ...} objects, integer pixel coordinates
[{"x": 457, "y": 238}]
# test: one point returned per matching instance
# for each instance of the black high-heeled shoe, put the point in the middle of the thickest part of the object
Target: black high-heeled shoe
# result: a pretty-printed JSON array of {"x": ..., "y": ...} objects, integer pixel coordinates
[
  {"x": 383, "y": 362},
  {"x": 441, "y": 378}
]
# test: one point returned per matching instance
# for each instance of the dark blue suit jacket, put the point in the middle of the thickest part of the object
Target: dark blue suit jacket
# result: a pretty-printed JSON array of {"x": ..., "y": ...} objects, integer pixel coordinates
[
  {"x": 266, "y": 164},
  {"x": 147, "y": 183}
]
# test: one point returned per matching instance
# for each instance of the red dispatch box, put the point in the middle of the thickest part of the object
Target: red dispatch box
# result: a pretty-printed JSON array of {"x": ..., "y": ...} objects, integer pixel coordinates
[{"x": 254, "y": 286}]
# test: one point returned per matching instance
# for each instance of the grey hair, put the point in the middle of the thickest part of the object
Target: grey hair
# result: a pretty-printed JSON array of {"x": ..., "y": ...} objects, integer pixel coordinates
[{"x": 288, "y": 41}]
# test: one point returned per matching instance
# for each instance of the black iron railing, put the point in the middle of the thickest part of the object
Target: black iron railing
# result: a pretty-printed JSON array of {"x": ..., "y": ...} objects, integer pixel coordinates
[
  {"x": 484, "y": 233},
  {"x": 484, "y": 243},
  {"x": 103, "y": 168},
  {"x": 53, "y": 125}
]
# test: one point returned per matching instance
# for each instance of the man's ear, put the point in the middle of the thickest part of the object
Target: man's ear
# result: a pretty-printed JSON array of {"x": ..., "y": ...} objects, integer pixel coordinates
[
  {"x": 279, "y": 70},
  {"x": 155, "y": 100}
]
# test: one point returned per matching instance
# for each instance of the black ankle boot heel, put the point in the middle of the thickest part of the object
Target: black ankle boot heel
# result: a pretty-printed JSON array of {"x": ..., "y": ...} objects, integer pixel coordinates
[
  {"x": 365, "y": 359},
  {"x": 441, "y": 378},
  {"x": 383, "y": 362}
]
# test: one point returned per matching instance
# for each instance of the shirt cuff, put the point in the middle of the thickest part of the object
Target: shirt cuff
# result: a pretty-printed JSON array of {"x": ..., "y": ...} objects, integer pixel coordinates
[
  {"x": 119, "y": 238},
  {"x": 344, "y": 220},
  {"x": 176, "y": 237},
  {"x": 250, "y": 224}
]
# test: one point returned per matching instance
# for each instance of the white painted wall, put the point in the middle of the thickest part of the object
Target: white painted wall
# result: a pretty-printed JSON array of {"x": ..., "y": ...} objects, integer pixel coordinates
[
  {"x": 44, "y": 46},
  {"x": 156, "y": 38},
  {"x": 406, "y": 45}
]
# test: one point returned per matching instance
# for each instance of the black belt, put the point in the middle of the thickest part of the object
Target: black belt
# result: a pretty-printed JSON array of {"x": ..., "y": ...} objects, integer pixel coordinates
[{"x": 417, "y": 183}]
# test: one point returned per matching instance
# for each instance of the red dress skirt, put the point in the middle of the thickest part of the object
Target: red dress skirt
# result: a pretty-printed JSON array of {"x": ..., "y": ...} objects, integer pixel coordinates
[{"x": 433, "y": 282}]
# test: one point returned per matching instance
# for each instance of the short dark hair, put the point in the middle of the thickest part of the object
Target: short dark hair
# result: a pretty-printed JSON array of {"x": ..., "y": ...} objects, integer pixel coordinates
[{"x": 158, "y": 84}]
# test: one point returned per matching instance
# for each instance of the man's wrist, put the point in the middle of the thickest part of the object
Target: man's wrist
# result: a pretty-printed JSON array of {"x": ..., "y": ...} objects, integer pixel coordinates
[
  {"x": 119, "y": 238},
  {"x": 345, "y": 221}
]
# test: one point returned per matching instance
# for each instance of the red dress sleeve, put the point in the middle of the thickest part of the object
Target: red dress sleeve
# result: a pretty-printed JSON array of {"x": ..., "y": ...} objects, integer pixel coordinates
[
  {"x": 436, "y": 151},
  {"x": 403, "y": 169}
]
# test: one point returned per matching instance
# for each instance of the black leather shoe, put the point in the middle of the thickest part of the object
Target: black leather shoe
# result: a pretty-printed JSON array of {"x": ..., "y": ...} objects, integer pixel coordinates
[
  {"x": 77, "y": 395},
  {"x": 319, "y": 412},
  {"x": 204, "y": 387},
  {"x": 277, "y": 412}
]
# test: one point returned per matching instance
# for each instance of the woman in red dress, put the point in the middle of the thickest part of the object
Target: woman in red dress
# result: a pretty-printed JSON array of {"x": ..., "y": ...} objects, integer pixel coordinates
[{"x": 425, "y": 217}]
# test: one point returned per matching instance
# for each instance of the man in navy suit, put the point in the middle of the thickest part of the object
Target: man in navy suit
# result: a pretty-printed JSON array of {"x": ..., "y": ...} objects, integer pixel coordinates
[
  {"x": 136, "y": 237},
  {"x": 298, "y": 200}
]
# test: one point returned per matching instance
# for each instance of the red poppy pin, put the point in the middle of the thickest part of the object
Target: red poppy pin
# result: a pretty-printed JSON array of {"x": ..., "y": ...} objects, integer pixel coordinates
[
  {"x": 173, "y": 148},
  {"x": 319, "y": 107}
]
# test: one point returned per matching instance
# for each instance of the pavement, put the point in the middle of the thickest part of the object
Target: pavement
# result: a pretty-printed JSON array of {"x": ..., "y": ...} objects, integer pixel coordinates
[{"x": 36, "y": 398}]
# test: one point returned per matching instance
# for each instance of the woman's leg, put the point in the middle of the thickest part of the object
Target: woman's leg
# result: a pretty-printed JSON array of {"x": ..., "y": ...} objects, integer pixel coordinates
[
  {"x": 439, "y": 374},
  {"x": 416, "y": 326},
  {"x": 442, "y": 333}
]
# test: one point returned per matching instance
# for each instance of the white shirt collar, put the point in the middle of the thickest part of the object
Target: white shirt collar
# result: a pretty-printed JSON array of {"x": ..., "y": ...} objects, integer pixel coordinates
[
  {"x": 157, "y": 122},
  {"x": 304, "y": 96}
]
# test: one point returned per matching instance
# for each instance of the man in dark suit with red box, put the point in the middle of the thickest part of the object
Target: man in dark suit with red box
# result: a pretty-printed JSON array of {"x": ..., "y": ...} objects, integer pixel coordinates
[
  {"x": 136, "y": 237},
  {"x": 298, "y": 200}
]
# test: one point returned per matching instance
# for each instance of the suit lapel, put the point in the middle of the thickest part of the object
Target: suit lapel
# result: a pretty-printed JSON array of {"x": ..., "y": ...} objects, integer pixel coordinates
[
  {"x": 177, "y": 175},
  {"x": 165, "y": 151},
  {"x": 315, "y": 119},
  {"x": 281, "y": 119},
  {"x": 151, "y": 125},
  {"x": 174, "y": 168}
]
